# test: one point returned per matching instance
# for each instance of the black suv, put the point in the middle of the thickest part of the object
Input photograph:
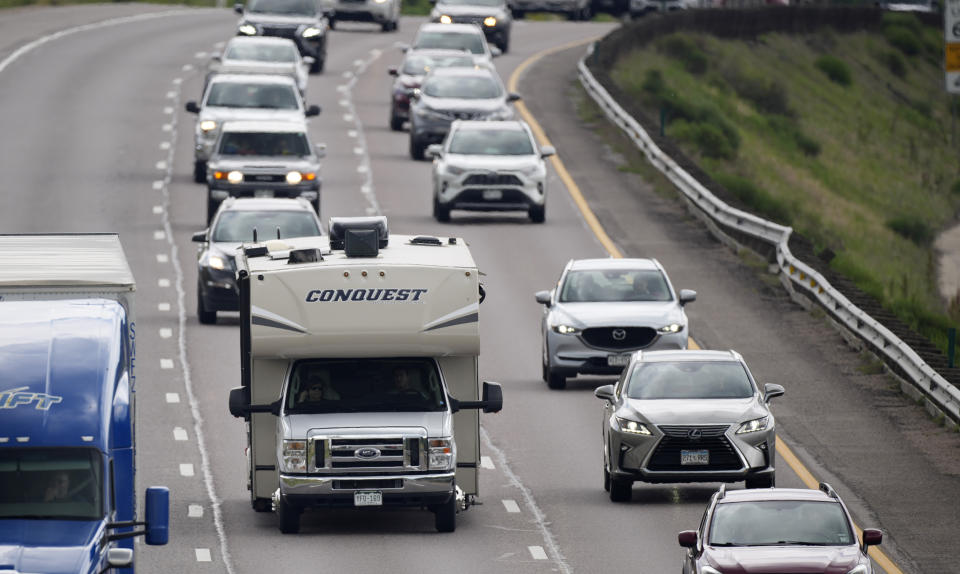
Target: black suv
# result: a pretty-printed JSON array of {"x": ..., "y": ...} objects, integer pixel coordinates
[{"x": 302, "y": 21}]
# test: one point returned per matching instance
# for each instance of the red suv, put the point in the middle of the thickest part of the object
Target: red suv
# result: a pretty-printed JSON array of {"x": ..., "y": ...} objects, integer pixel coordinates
[{"x": 777, "y": 530}]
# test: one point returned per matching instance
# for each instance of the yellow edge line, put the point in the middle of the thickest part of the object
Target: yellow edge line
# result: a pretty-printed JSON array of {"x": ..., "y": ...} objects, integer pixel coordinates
[{"x": 782, "y": 449}]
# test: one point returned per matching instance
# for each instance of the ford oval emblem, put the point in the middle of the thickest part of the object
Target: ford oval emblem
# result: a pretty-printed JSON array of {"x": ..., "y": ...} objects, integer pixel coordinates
[
  {"x": 619, "y": 334},
  {"x": 367, "y": 453}
]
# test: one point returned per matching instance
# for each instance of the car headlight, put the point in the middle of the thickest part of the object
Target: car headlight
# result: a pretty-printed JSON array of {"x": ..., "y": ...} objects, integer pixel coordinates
[
  {"x": 235, "y": 176},
  {"x": 445, "y": 19},
  {"x": 753, "y": 426},
  {"x": 379, "y": 1},
  {"x": 861, "y": 569},
  {"x": 565, "y": 329},
  {"x": 490, "y": 21},
  {"x": 429, "y": 113},
  {"x": 531, "y": 170},
  {"x": 633, "y": 427},
  {"x": 208, "y": 125},
  {"x": 453, "y": 169},
  {"x": 441, "y": 454},
  {"x": 247, "y": 29},
  {"x": 311, "y": 32},
  {"x": 294, "y": 177},
  {"x": 294, "y": 457},
  {"x": 216, "y": 262},
  {"x": 671, "y": 328}
]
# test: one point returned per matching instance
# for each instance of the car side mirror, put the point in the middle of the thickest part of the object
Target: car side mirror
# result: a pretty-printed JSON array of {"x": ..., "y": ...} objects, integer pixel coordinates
[
  {"x": 309, "y": 60},
  {"x": 192, "y": 107},
  {"x": 605, "y": 392},
  {"x": 495, "y": 52},
  {"x": 393, "y": 71},
  {"x": 871, "y": 537},
  {"x": 434, "y": 151},
  {"x": 687, "y": 538},
  {"x": 513, "y": 97},
  {"x": 199, "y": 236},
  {"x": 403, "y": 47},
  {"x": 687, "y": 296},
  {"x": 547, "y": 151},
  {"x": 313, "y": 110},
  {"x": 771, "y": 390},
  {"x": 543, "y": 297},
  {"x": 321, "y": 150},
  {"x": 238, "y": 8}
]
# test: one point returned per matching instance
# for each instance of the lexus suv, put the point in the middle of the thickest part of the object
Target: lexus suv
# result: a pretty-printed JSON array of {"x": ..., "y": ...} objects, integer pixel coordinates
[
  {"x": 302, "y": 21},
  {"x": 777, "y": 531},
  {"x": 602, "y": 310},
  {"x": 687, "y": 416}
]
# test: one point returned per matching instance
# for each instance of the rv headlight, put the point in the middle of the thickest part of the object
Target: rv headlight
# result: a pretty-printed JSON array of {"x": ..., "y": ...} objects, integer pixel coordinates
[
  {"x": 294, "y": 457},
  {"x": 441, "y": 454},
  {"x": 753, "y": 426},
  {"x": 235, "y": 176},
  {"x": 311, "y": 32},
  {"x": 490, "y": 21},
  {"x": 208, "y": 125},
  {"x": 216, "y": 262},
  {"x": 671, "y": 328},
  {"x": 633, "y": 427},
  {"x": 247, "y": 29},
  {"x": 294, "y": 177},
  {"x": 445, "y": 19}
]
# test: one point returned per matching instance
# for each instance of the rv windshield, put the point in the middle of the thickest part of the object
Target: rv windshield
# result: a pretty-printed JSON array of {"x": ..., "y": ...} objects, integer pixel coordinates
[
  {"x": 365, "y": 385},
  {"x": 51, "y": 484}
]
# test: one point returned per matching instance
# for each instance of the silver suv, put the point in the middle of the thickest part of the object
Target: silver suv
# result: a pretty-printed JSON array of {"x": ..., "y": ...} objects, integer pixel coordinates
[{"x": 687, "y": 416}]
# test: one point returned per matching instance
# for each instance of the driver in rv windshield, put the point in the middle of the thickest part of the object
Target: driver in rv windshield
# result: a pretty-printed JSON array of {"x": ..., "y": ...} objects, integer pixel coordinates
[{"x": 317, "y": 389}]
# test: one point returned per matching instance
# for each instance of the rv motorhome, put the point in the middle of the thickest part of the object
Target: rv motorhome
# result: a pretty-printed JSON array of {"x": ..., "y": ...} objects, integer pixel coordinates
[{"x": 359, "y": 372}]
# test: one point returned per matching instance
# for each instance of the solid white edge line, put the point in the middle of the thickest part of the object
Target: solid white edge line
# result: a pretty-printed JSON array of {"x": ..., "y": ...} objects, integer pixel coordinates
[{"x": 552, "y": 547}]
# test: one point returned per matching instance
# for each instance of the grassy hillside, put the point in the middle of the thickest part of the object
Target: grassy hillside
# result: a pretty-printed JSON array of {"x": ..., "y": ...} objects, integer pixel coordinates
[{"x": 849, "y": 138}]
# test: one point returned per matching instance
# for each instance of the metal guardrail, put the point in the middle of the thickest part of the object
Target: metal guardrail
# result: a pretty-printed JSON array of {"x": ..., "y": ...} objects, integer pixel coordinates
[{"x": 938, "y": 390}]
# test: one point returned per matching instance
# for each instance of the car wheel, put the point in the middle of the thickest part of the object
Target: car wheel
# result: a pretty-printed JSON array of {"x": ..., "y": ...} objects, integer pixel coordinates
[
  {"x": 445, "y": 515},
  {"x": 556, "y": 381},
  {"x": 606, "y": 479},
  {"x": 504, "y": 44},
  {"x": 332, "y": 23},
  {"x": 316, "y": 203},
  {"x": 440, "y": 212},
  {"x": 519, "y": 14},
  {"x": 537, "y": 213},
  {"x": 289, "y": 516},
  {"x": 416, "y": 148},
  {"x": 621, "y": 489},
  {"x": 212, "y": 205},
  {"x": 204, "y": 315},
  {"x": 396, "y": 122},
  {"x": 199, "y": 171},
  {"x": 319, "y": 61},
  {"x": 763, "y": 481}
]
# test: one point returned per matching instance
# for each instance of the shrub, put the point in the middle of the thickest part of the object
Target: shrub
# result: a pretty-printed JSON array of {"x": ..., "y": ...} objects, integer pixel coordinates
[
  {"x": 788, "y": 130},
  {"x": 903, "y": 39},
  {"x": 835, "y": 69},
  {"x": 756, "y": 200},
  {"x": 912, "y": 228},
  {"x": 902, "y": 20},
  {"x": 683, "y": 49},
  {"x": 653, "y": 83},
  {"x": 767, "y": 97},
  {"x": 708, "y": 139},
  {"x": 955, "y": 188},
  {"x": 894, "y": 62}
]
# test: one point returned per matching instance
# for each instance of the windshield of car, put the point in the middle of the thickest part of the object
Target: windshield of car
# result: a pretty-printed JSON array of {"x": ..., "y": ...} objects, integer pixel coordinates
[
  {"x": 364, "y": 385},
  {"x": 240, "y": 95},
  {"x": 51, "y": 483},
  {"x": 264, "y": 144},
  {"x": 780, "y": 523},
  {"x": 465, "y": 87},
  {"x": 491, "y": 142},
  {"x": 238, "y": 225},
  {"x": 262, "y": 52},
  {"x": 689, "y": 380},
  {"x": 599, "y": 285},
  {"x": 419, "y": 65},
  {"x": 295, "y": 7},
  {"x": 450, "y": 41}
]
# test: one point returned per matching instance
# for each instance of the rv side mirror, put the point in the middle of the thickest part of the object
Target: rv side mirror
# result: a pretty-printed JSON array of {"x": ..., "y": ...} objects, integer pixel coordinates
[
  {"x": 543, "y": 297},
  {"x": 275, "y": 407},
  {"x": 157, "y": 516},
  {"x": 120, "y": 557},
  {"x": 687, "y": 538},
  {"x": 192, "y": 107},
  {"x": 199, "y": 237},
  {"x": 687, "y": 296},
  {"x": 605, "y": 392},
  {"x": 492, "y": 397},
  {"x": 313, "y": 110},
  {"x": 771, "y": 390},
  {"x": 239, "y": 402}
]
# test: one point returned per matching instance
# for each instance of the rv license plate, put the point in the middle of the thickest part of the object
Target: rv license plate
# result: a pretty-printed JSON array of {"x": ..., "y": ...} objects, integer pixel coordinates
[
  {"x": 492, "y": 194},
  {"x": 263, "y": 193},
  {"x": 618, "y": 360},
  {"x": 368, "y": 498},
  {"x": 694, "y": 457}
]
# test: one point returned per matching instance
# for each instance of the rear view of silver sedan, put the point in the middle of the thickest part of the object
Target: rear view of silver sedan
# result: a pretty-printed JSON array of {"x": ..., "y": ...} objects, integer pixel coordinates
[
  {"x": 687, "y": 416},
  {"x": 604, "y": 309},
  {"x": 489, "y": 166}
]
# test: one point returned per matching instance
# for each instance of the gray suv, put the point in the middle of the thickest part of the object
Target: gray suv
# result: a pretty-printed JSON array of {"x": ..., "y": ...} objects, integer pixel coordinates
[
  {"x": 302, "y": 21},
  {"x": 687, "y": 416}
]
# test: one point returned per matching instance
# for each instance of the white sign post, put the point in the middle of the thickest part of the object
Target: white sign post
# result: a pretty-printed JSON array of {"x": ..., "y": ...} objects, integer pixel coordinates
[{"x": 951, "y": 37}]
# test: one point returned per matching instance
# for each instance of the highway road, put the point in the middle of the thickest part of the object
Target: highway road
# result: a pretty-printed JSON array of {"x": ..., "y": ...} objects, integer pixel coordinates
[{"x": 93, "y": 137}]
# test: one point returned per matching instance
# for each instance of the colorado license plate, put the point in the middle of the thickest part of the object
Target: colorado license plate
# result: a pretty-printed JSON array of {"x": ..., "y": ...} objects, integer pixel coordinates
[
  {"x": 492, "y": 194},
  {"x": 618, "y": 360},
  {"x": 263, "y": 193},
  {"x": 694, "y": 457},
  {"x": 368, "y": 498}
]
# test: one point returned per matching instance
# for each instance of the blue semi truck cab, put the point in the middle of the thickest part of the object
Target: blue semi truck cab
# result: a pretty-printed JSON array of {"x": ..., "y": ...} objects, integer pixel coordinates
[{"x": 68, "y": 502}]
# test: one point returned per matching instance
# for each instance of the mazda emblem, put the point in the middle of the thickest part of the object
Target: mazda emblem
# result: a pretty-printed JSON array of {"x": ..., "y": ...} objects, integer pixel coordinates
[
  {"x": 694, "y": 434},
  {"x": 619, "y": 334},
  {"x": 367, "y": 453}
]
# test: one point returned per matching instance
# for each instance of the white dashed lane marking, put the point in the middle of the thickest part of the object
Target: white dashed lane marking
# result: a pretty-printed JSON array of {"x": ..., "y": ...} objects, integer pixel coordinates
[
  {"x": 166, "y": 363},
  {"x": 166, "y": 333},
  {"x": 186, "y": 469},
  {"x": 173, "y": 397},
  {"x": 486, "y": 462},
  {"x": 511, "y": 506},
  {"x": 159, "y": 235},
  {"x": 164, "y": 146},
  {"x": 158, "y": 210},
  {"x": 195, "y": 511},
  {"x": 163, "y": 282},
  {"x": 180, "y": 434},
  {"x": 163, "y": 306},
  {"x": 203, "y": 555},
  {"x": 158, "y": 185},
  {"x": 537, "y": 552}
]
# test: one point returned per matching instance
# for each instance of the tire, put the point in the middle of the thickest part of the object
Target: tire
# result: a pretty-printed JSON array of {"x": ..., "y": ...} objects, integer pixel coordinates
[
  {"x": 212, "y": 206},
  {"x": 519, "y": 14},
  {"x": 199, "y": 171},
  {"x": 205, "y": 316},
  {"x": 261, "y": 505},
  {"x": 319, "y": 62},
  {"x": 445, "y": 515},
  {"x": 332, "y": 23},
  {"x": 606, "y": 479},
  {"x": 288, "y": 516},
  {"x": 762, "y": 481},
  {"x": 396, "y": 122},
  {"x": 556, "y": 381},
  {"x": 537, "y": 213},
  {"x": 621, "y": 490},
  {"x": 416, "y": 148},
  {"x": 316, "y": 203},
  {"x": 504, "y": 44},
  {"x": 440, "y": 212}
]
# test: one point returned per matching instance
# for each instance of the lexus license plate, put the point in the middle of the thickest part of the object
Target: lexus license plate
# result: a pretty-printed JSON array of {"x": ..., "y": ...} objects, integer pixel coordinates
[
  {"x": 694, "y": 457},
  {"x": 492, "y": 194},
  {"x": 368, "y": 498},
  {"x": 618, "y": 360}
]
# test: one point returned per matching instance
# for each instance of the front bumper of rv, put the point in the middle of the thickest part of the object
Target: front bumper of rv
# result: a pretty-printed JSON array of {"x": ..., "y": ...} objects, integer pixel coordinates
[{"x": 397, "y": 490}]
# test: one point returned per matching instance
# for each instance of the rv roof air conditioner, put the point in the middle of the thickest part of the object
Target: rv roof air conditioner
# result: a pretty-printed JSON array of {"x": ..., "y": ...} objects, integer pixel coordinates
[{"x": 359, "y": 236}]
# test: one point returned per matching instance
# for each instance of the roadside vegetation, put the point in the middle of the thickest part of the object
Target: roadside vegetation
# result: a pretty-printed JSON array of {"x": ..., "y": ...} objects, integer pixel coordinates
[
  {"x": 17, "y": 3},
  {"x": 849, "y": 138}
]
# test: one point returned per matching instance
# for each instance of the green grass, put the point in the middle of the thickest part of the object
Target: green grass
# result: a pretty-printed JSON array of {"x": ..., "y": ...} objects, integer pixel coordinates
[{"x": 846, "y": 137}]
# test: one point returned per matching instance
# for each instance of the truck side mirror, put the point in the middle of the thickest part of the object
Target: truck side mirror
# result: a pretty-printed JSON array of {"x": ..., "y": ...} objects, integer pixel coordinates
[
  {"x": 157, "y": 516},
  {"x": 192, "y": 107},
  {"x": 771, "y": 390},
  {"x": 605, "y": 392},
  {"x": 687, "y": 296},
  {"x": 313, "y": 110},
  {"x": 120, "y": 557},
  {"x": 543, "y": 297}
]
